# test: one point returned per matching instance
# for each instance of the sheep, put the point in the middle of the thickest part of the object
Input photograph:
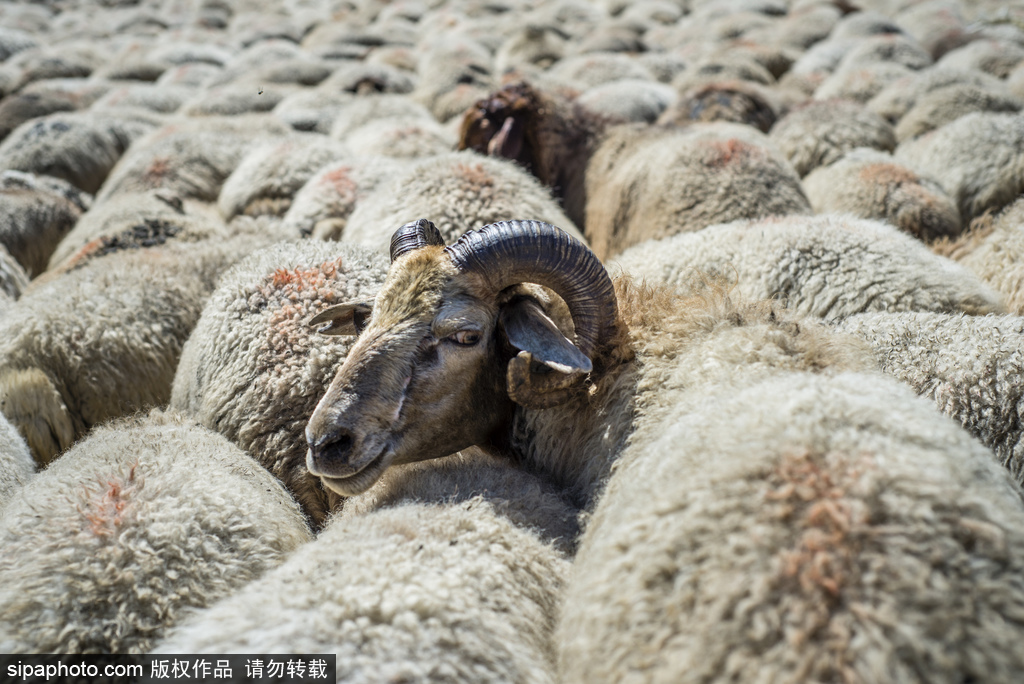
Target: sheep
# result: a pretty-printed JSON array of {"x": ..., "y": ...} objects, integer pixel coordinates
[
  {"x": 428, "y": 578},
  {"x": 36, "y": 212},
  {"x": 540, "y": 45},
  {"x": 13, "y": 41},
  {"x": 644, "y": 183},
  {"x": 824, "y": 266},
  {"x": 860, "y": 83},
  {"x": 818, "y": 133},
  {"x": 401, "y": 138},
  {"x": 359, "y": 78},
  {"x": 943, "y": 105},
  {"x": 978, "y": 159},
  {"x": 236, "y": 98},
  {"x": 67, "y": 60},
  {"x": 197, "y": 74},
  {"x": 191, "y": 158},
  {"x": 997, "y": 58},
  {"x": 831, "y": 528},
  {"x": 587, "y": 71},
  {"x": 250, "y": 370},
  {"x": 360, "y": 111},
  {"x": 460, "y": 73},
  {"x": 311, "y": 110},
  {"x": 968, "y": 366},
  {"x": 730, "y": 65},
  {"x": 17, "y": 108},
  {"x": 162, "y": 98},
  {"x": 139, "y": 524},
  {"x": 869, "y": 184},
  {"x": 102, "y": 338},
  {"x": 938, "y": 26},
  {"x": 79, "y": 147},
  {"x": 628, "y": 100},
  {"x": 267, "y": 178},
  {"x": 457, "y": 189},
  {"x": 322, "y": 206},
  {"x": 734, "y": 101},
  {"x": 993, "y": 248},
  {"x": 899, "y": 97},
  {"x": 16, "y": 464},
  {"x": 453, "y": 323}
]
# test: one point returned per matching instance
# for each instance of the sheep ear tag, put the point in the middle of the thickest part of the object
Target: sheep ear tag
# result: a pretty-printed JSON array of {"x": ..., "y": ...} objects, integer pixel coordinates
[
  {"x": 342, "y": 319},
  {"x": 529, "y": 329}
]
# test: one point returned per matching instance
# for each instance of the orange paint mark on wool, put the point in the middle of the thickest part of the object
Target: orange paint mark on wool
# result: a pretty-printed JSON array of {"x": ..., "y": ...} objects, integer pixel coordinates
[
  {"x": 340, "y": 180},
  {"x": 474, "y": 174},
  {"x": 302, "y": 278},
  {"x": 158, "y": 169},
  {"x": 108, "y": 510},
  {"x": 888, "y": 174},
  {"x": 725, "y": 152}
]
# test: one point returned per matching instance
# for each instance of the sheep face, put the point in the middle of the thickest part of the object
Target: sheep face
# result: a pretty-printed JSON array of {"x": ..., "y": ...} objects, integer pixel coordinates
[
  {"x": 504, "y": 125},
  {"x": 452, "y": 342}
]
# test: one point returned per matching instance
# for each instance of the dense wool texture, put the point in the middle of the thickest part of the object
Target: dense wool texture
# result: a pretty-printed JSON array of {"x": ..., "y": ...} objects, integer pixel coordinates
[
  {"x": 805, "y": 528},
  {"x": 401, "y": 138},
  {"x": 870, "y": 184},
  {"x": 36, "y": 212},
  {"x": 629, "y": 100},
  {"x": 13, "y": 279},
  {"x": 428, "y": 578},
  {"x": 721, "y": 100},
  {"x": 322, "y": 206},
  {"x": 79, "y": 147},
  {"x": 16, "y": 463},
  {"x": 645, "y": 183},
  {"x": 458, "y": 191},
  {"x": 971, "y": 367},
  {"x": 943, "y": 105},
  {"x": 819, "y": 133},
  {"x": 824, "y": 266},
  {"x": 456, "y": 72},
  {"x": 994, "y": 249},
  {"x": 139, "y": 524},
  {"x": 102, "y": 339},
  {"x": 267, "y": 178},
  {"x": 190, "y": 157},
  {"x": 978, "y": 159},
  {"x": 144, "y": 219},
  {"x": 253, "y": 369},
  {"x": 898, "y": 98}
]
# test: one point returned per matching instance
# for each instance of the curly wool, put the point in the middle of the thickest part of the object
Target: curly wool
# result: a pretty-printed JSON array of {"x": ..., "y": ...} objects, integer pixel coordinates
[
  {"x": 645, "y": 182},
  {"x": 818, "y": 133},
  {"x": 429, "y": 582},
  {"x": 253, "y": 369},
  {"x": 978, "y": 159},
  {"x": 16, "y": 463},
  {"x": 824, "y": 266},
  {"x": 994, "y": 249},
  {"x": 943, "y": 105},
  {"x": 969, "y": 366},
  {"x": 457, "y": 191},
  {"x": 139, "y": 524},
  {"x": 830, "y": 529},
  {"x": 870, "y": 184},
  {"x": 898, "y": 98}
]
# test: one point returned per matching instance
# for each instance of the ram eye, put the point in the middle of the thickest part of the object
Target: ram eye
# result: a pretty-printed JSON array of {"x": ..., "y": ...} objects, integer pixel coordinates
[{"x": 466, "y": 338}]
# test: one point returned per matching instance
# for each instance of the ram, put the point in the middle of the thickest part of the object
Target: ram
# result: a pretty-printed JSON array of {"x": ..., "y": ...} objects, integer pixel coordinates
[
  {"x": 143, "y": 521},
  {"x": 444, "y": 572}
]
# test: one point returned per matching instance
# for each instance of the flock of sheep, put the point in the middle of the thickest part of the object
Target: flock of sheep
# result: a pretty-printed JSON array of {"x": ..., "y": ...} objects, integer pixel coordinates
[{"x": 261, "y": 391}]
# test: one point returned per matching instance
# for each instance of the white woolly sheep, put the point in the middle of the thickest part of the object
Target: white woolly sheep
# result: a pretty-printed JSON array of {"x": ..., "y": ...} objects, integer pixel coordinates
[
  {"x": 628, "y": 100},
  {"x": 539, "y": 45},
  {"x": 102, "y": 339},
  {"x": 830, "y": 528},
  {"x": 322, "y": 206},
  {"x": 359, "y": 111},
  {"x": 898, "y": 98},
  {"x": 825, "y": 266},
  {"x": 870, "y": 184},
  {"x": 80, "y": 148},
  {"x": 644, "y": 183},
  {"x": 232, "y": 99},
  {"x": 197, "y": 74},
  {"x": 943, "y": 105},
  {"x": 163, "y": 98},
  {"x": 733, "y": 101},
  {"x": 819, "y": 133},
  {"x": 428, "y": 578},
  {"x": 860, "y": 83},
  {"x": 267, "y": 178},
  {"x": 457, "y": 190},
  {"x": 402, "y": 138},
  {"x": 587, "y": 71},
  {"x": 250, "y": 369},
  {"x": 16, "y": 463},
  {"x": 360, "y": 78},
  {"x": 993, "y": 248},
  {"x": 17, "y": 108},
  {"x": 969, "y": 366},
  {"x": 978, "y": 159},
  {"x": 937, "y": 25},
  {"x": 140, "y": 523},
  {"x": 454, "y": 74},
  {"x": 190, "y": 157},
  {"x": 990, "y": 56},
  {"x": 732, "y": 65},
  {"x": 36, "y": 212},
  {"x": 66, "y": 60},
  {"x": 13, "y": 41},
  {"x": 311, "y": 110}
]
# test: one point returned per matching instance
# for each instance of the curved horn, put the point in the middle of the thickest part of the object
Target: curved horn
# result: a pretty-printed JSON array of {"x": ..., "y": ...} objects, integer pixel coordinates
[
  {"x": 511, "y": 252},
  {"x": 414, "y": 235}
]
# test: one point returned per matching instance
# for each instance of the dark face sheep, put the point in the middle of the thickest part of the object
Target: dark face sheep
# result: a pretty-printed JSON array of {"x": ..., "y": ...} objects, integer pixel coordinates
[{"x": 451, "y": 342}]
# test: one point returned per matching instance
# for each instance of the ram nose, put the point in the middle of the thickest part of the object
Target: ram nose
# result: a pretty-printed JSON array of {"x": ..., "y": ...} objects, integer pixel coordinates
[{"x": 330, "y": 453}]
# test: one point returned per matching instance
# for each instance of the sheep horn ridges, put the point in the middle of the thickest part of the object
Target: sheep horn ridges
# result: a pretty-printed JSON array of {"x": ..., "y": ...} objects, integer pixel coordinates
[
  {"x": 414, "y": 235},
  {"x": 511, "y": 252}
]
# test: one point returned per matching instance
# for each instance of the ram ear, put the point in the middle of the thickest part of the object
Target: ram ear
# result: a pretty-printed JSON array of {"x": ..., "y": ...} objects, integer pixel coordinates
[
  {"x": 548, "y": 366},
  {"x": 342, "y": 319}
]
